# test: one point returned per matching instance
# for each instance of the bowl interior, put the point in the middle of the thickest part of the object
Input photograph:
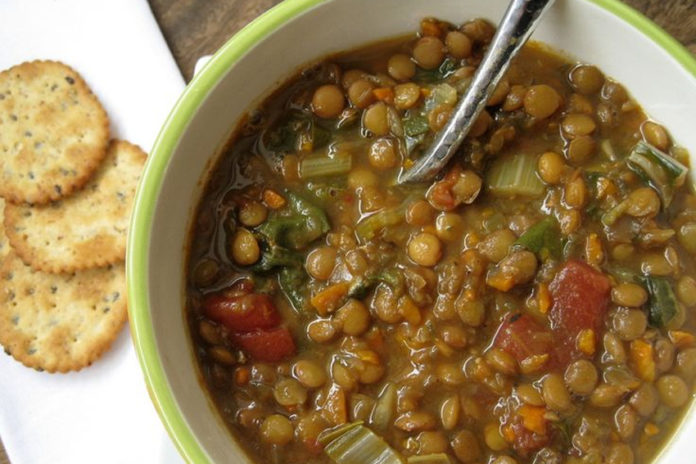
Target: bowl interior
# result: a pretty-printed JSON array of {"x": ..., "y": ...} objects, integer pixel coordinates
[{"x": 256, "y": 62}]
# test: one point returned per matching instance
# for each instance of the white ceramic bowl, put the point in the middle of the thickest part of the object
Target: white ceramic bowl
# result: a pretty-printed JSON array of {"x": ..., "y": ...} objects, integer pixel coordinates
[{"x": 658, "y": 72}]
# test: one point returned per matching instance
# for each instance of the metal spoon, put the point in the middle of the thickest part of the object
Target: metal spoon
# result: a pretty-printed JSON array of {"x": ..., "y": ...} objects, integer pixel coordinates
[{"x": 520, "y": 19}]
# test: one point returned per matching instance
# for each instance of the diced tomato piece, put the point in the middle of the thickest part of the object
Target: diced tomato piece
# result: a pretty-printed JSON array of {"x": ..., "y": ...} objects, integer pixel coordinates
[
  {"x": 266, "y": 345},
  {"x": 440, "y": 194},
  {"x": 454, "y": 189},
  {"x": 580, "y": 296},
  {"x": 525, "y": 441},
  {"x": 242, "y": 313},
  {"x": 521, "y": 336}
]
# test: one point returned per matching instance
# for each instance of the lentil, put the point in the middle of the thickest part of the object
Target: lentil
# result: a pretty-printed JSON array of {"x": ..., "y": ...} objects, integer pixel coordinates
[
  {"x": 541, "y": 101},
  {"x": 401, "y": 67},
  {"x": 429, "y": 52},
  {"x": 328, "y": 101},
  {"x": 276, "y": 430},
  {"x": 581, "y": 377}
]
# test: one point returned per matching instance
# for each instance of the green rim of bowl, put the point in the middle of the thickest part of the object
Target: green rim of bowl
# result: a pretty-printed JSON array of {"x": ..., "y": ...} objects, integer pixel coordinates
[{"x": 137, "y": 263}]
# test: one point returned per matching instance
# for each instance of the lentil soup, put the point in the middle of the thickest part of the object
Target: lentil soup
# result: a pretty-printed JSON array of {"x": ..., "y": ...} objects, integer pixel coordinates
[{"x": 533, "y": 304}]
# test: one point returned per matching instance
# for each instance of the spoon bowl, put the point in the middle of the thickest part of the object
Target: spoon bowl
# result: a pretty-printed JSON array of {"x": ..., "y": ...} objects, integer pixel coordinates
[{"x": 518, "y": 23}]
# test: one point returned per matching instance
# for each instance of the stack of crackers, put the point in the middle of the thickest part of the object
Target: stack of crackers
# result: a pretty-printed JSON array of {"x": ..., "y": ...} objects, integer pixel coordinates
[{"x": 67, "y": 192}]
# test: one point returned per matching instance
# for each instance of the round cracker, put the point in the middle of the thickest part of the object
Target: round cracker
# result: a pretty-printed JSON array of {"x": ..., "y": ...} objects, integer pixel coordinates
[
  {"x": 53, "y": 132},
  {"x": 59, "y": 322},
  {"x": 4, "y": 241},
  {"x": 87, "y": 229}
]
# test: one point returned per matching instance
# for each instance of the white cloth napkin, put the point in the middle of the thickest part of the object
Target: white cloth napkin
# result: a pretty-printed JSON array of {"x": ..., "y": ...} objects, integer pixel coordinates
[{"x": 102, "y": 414}]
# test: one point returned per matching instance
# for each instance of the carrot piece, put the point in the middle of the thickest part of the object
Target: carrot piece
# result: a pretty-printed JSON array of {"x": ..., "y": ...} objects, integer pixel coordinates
[
  {"x": 543, "y": 298},
  {"x": 681, "y": 339},
  {"x": 385, "y": 94},
  {"x": 334, "y": 409},
  {"x": 593, "y": 249},
  {"x": 241, "y": 375},
  {"x": 586, "y": 342},
  {"x": 329, "y": 298},
  {"x": 642, "y": 359},
  {"x": 500, "y": 281},
  {"x": 533, "y": 418},
  {"x": 508, "y": 433},
  {"x": 651, "y": 429},
  {"x": 273, "y": 199}
]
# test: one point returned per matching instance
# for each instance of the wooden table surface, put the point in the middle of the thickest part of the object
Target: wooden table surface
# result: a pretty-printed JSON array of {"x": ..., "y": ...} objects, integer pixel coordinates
[{"x": 194, "y": 28}]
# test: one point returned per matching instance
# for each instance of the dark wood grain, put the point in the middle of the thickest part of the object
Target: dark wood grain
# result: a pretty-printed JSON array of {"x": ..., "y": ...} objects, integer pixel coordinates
[
  {"x": 678, "y": 17},
  {"x": 194, "y": 28}
]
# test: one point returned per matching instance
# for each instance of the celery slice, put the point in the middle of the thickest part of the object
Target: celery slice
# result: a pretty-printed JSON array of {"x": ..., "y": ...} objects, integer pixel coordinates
[
  {"x": 613, "y": 215},
  {"x": 433, "y": 458},
  {"x": 360, "y": 445},
  {"x": 441, "y": 94},
  {"x": 368, "y": 228},
  {"x": 515, "y": 175},
  {"x": 330, "y": 435},
  {"x": 664, "y": 173},
  {"x": 383, "y": 411},
  {"x": 322, "y": 166}
]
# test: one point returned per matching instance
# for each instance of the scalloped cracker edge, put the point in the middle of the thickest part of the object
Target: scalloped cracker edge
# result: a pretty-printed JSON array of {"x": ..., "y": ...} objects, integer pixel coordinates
[
  {"x": 87, "y": 229},
  {"x": 53, "y": 132}
]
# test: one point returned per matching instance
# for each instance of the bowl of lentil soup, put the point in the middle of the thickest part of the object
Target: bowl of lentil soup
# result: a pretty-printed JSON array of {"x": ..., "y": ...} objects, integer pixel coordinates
[{"x": 532, "y": 305}]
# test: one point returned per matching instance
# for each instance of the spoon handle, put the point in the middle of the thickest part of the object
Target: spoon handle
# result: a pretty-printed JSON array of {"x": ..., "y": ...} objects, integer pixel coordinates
[{"x": 520, "y": 19}]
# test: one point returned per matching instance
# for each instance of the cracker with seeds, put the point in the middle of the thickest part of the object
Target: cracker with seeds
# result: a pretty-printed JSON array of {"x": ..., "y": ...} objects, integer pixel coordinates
[
  {"x": 53, "y": 132},
  {"x": 59, "y": 322},
  {"x": 87, "y": 229}
]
